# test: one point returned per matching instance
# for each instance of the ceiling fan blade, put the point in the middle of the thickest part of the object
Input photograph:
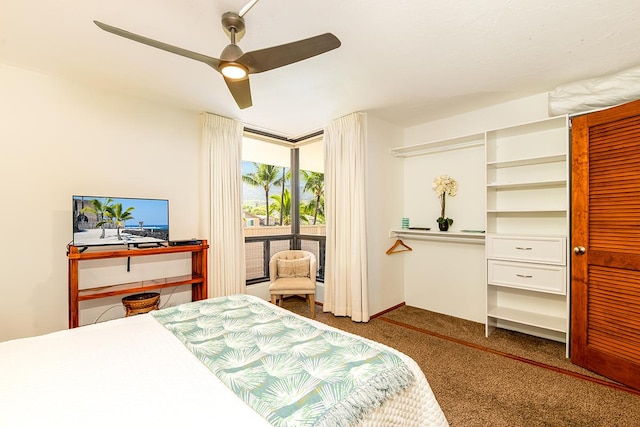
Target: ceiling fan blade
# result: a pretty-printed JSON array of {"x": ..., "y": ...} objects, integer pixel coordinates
[
  {"x": 241, "y": 91},
  {"x": 267, "y": 59},
  {"x": 213, "y": 62}
]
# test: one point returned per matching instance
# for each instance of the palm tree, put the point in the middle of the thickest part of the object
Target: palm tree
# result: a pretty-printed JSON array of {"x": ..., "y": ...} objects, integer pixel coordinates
[
  {"x": 264, "y": 176},
  {"x": 314, "y": 184},
  {"x": 310, "y": 208},
  {"x": 100, "y": 210},
  {"x": 118, "y": 216},
  {"x": 286, "y": 176},
  {"x": 282, "y": 203}
]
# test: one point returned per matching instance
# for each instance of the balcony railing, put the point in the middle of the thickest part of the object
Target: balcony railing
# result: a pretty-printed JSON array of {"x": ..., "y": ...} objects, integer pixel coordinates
[{"x": 261, "y": 247}]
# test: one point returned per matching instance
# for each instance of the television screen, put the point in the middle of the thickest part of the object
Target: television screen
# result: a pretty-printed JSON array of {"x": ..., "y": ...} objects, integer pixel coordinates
[{"x": 101, "y": 221}]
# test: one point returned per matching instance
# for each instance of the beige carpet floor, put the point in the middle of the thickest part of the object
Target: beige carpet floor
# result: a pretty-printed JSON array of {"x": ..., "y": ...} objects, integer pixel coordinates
[{"x": 509, "y": 379}]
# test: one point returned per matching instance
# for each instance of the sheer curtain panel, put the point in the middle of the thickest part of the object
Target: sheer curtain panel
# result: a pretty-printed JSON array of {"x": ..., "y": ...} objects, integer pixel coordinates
[
  {"x": 222, "y": 203},
  {"x": 345, "y": 292}
]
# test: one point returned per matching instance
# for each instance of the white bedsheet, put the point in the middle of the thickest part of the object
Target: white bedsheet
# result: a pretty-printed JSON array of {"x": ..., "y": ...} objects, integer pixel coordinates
[{"x": 133, "y": 371}]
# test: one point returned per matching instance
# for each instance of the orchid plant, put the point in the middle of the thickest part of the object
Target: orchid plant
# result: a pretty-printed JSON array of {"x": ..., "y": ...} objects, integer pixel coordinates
[{"x": 444, "y": 185}]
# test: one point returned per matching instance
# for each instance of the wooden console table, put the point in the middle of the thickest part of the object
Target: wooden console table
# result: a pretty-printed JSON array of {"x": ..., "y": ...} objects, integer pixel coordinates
[{"x": 198, "y": 280}]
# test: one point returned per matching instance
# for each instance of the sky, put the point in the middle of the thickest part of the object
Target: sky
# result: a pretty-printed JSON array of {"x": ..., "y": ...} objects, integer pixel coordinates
[{"x": 151, "y": 211}]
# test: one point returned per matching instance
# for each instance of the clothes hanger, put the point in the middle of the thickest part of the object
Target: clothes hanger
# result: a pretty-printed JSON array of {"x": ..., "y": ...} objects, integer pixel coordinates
[{"x": 392, "y": 249}]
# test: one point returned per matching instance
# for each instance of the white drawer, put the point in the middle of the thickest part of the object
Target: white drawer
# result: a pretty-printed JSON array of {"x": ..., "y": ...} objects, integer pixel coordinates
[
  {"x": 535, "y": 249},
  {"x": 534, "y": 277}
]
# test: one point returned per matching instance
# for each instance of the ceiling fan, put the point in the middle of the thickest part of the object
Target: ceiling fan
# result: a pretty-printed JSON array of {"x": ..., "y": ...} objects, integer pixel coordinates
[{"x": 234, "y": 65}]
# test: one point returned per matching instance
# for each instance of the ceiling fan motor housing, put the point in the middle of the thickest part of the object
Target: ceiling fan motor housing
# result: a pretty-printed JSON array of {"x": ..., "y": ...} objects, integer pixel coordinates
[
  {"x": 231, "y": 53},
  {"x": 231, "y": 20}
]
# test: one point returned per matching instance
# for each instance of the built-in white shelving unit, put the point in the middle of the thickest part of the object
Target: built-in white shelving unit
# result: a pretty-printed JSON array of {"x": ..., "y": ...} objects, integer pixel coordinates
[
  {"x": 527, "y": 199},
  {"x": 526, "y": 230}
]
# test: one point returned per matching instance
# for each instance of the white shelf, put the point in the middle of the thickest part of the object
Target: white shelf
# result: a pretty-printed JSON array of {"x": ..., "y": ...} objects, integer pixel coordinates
[
  {"x": 468, "y": 141},
  {"x": 534, "y": 126},
  {"x": 527, "y": 161},
  {"x": 526, "y": 211},
  {"x": 530, "y": 184},
  {"x": 544, "y": 321},
  {"x": 444, "y": 236}
]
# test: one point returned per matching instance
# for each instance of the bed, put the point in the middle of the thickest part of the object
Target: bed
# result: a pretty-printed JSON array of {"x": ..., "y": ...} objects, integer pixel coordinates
[{"x": 197, "y": 364}]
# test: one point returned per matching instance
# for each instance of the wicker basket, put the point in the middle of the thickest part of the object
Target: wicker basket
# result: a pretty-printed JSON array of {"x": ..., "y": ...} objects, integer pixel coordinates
[{"x": 141, "y": 303}]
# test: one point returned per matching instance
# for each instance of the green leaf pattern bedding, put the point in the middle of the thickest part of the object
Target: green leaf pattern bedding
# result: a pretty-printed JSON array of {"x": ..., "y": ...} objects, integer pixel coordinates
[{"x": 288, "y": 370}]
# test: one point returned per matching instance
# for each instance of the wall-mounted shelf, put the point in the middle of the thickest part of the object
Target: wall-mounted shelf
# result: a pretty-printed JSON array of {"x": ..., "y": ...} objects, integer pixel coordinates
[
  {"x": 468, "y": 141},
  {"x": 443, "y": 236}
]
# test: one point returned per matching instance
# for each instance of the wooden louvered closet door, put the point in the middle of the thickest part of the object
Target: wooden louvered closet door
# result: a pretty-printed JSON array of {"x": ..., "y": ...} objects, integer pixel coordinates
[{"x": 605, "y": 285}]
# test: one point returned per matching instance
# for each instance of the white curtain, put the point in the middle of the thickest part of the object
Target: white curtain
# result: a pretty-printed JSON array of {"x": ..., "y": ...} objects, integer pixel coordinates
[
  {"x": 222, "y": 203},
  {"x": 345, "y": 279}
]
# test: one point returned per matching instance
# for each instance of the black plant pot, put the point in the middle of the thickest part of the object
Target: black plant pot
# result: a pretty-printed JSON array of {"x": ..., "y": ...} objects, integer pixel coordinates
[{"x": 444, "y": 225}]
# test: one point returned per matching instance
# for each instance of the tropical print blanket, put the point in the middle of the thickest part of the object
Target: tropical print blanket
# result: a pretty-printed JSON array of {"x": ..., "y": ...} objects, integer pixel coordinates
[{"x": 285, "y": 368}]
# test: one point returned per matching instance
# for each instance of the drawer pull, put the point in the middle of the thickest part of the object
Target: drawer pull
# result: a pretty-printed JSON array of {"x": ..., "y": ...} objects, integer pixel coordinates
[
  {"x": 520, "y": 248},
  {"x": 526, "y": 276}
]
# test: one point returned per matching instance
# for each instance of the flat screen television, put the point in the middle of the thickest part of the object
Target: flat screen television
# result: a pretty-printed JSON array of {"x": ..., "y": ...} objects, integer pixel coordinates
[{"x": 100, "y": 221}]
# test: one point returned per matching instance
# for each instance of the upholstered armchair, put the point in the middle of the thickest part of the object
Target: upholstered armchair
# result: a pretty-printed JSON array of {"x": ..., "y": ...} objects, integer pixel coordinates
[{"x": 293, "y": 273}]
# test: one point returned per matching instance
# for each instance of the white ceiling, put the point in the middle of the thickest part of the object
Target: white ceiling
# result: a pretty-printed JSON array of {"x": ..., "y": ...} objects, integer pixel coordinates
[{"x": 406, "y": 61}]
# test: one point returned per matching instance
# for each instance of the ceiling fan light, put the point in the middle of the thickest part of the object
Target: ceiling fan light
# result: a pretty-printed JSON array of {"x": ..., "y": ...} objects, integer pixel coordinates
[{"x": 234, "y": 71}]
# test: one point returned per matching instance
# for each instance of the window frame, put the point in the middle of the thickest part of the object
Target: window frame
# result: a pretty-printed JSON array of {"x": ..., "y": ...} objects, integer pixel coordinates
[{"x": 295, "y": 238}]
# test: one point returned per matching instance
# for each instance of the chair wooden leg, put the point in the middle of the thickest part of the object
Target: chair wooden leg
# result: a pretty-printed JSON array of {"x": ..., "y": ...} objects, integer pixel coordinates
[
  {"x": 312, "y": 303},
  {"x": 273, "y": 299}
]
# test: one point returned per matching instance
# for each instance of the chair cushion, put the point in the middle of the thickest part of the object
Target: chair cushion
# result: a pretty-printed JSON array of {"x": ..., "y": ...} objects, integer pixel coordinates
[
  {"x": 293, "y": 285},
  {"x": 293, "y": 267}
]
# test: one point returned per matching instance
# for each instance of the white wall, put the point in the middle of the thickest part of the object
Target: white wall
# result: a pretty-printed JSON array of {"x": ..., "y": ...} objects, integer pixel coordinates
[
  {"x": 60, "y": 139},
  {"x": 501, "y": 115},
  {"x": 384, "y": 212},
  {"x": 447, "y": 277},
  {"x": 441, "y": 276}
]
